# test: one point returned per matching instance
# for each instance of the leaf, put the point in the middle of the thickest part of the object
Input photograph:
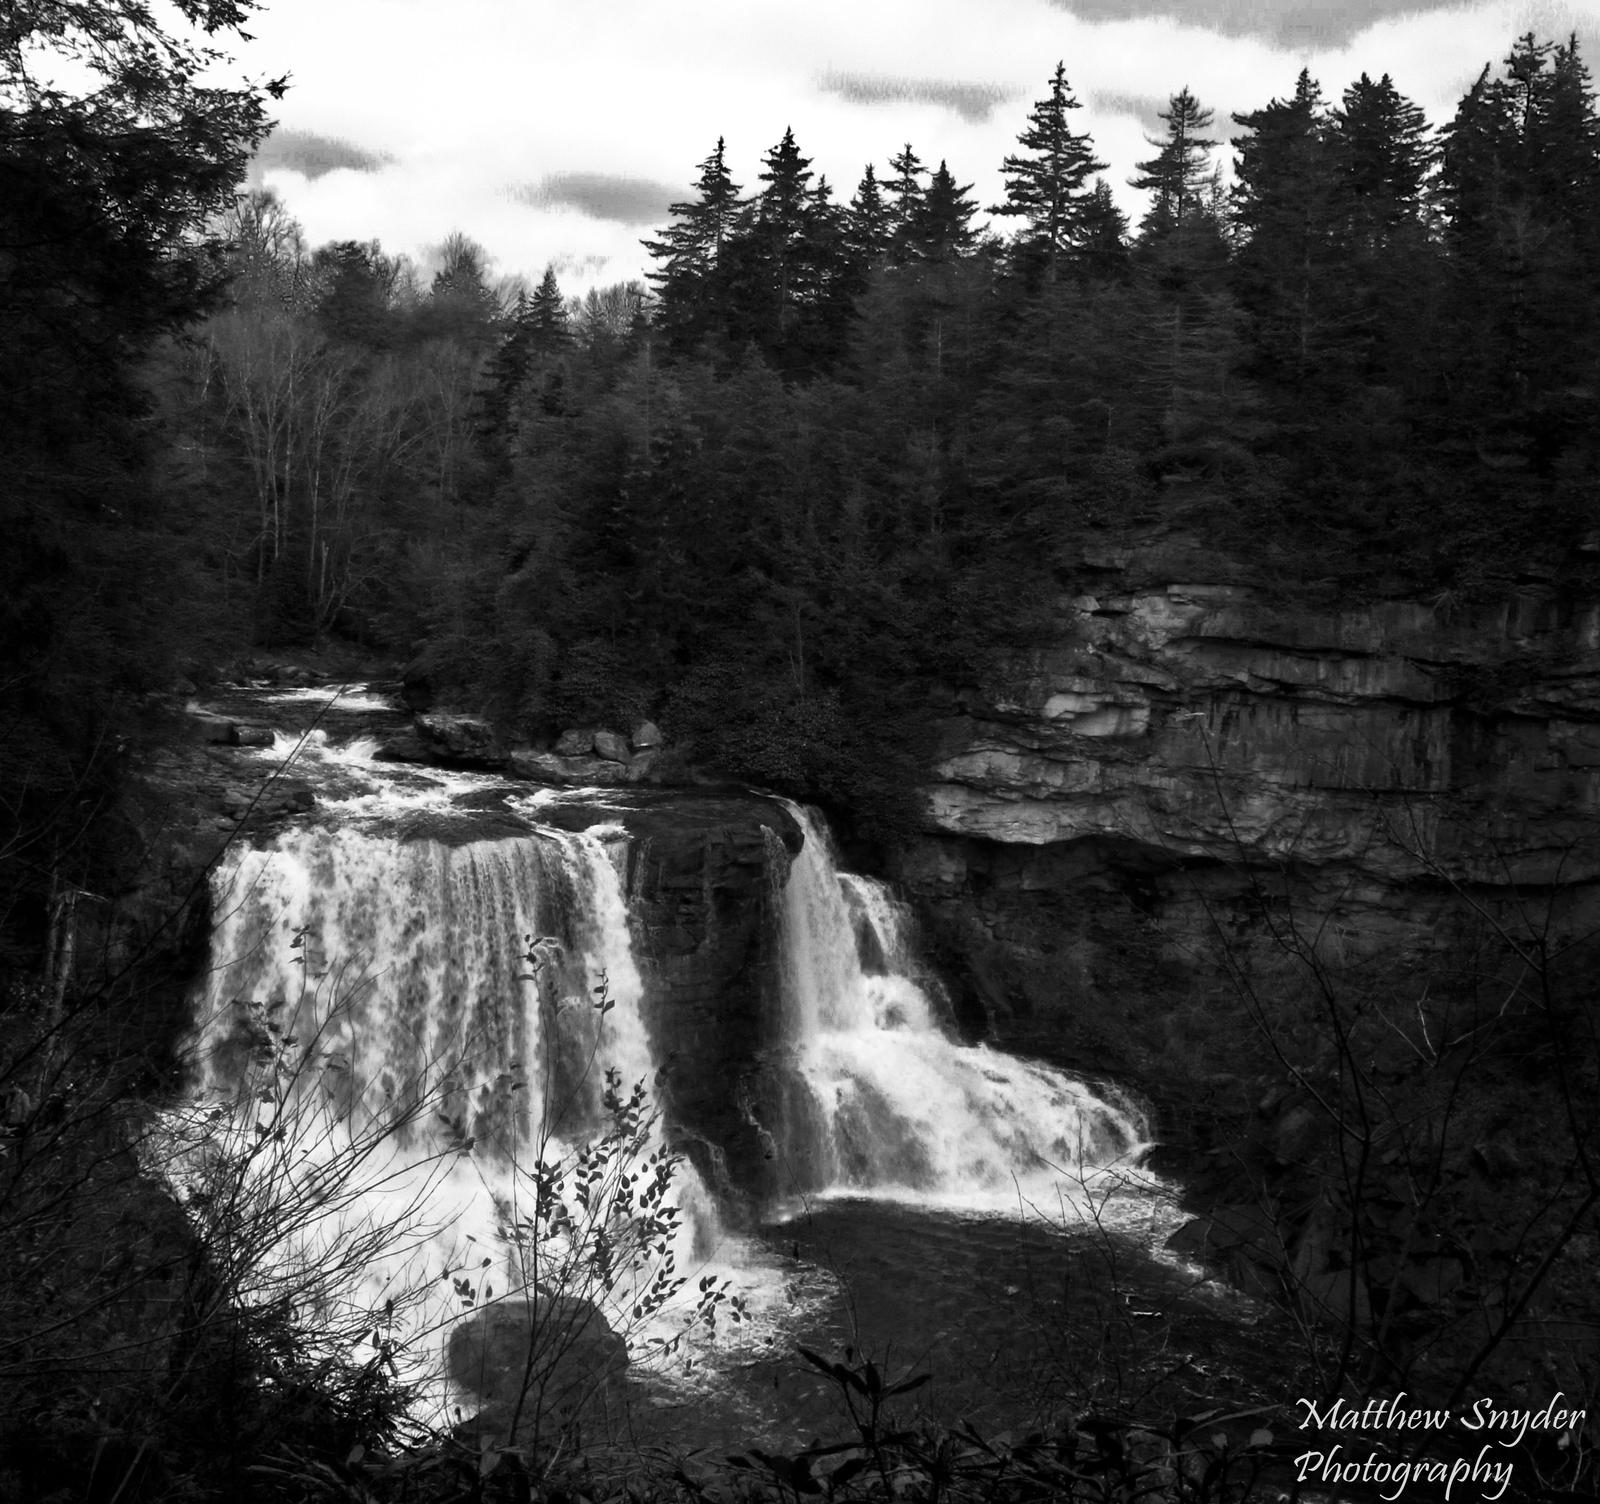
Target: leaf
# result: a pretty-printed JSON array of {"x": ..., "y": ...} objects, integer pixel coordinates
[{"x": 1261, "y": 1437}]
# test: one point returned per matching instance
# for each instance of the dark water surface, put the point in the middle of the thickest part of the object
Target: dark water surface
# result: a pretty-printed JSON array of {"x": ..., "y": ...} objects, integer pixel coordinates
[{"x": 1015, "y": 1320}]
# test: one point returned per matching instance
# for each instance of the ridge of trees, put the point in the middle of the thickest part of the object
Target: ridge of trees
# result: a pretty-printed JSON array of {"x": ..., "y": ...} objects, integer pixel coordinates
[{"x": 838, "y": 452}]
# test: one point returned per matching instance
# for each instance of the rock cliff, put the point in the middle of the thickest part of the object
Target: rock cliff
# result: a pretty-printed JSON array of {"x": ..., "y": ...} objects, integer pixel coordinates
[{"x": 1196, "y": 758}]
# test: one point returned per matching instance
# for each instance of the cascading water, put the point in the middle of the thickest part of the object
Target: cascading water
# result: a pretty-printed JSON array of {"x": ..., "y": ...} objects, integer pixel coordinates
[
  {"x": 403, "y": 1027},
  {"x": 404, "y": 1037},
  {"x": 895, "y": 1106}
]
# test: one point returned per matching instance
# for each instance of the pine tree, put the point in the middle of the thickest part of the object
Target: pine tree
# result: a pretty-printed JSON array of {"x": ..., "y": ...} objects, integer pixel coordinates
[
  {"x": 905, "y": 191},
  {"x": 1285, "y": 209},
  {"x": 1103, "y": 234},
  {"x": 1518, "y": 180},
  {"x": 1178, "y": 173},
  {"x": 868, "y": 221},
  {"x": 549, "y": 330},
  {"x": 1384, "y": 157},
  {"x": 1045, "y": 187},
  {"x": 691, "y": 275},
  {"x": 942, "y": 229},
  {"x": 784, "y": 213}
]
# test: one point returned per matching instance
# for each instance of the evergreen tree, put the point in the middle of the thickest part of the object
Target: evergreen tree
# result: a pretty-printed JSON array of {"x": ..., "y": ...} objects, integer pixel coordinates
[
  {"x": 1518, "y": 183},
  {"x": 1285, "y": 205},
  {"x": 1103, "y": 234},
  {"x": 353, "y": 283},
  {"x": 942, "y": 229},
  {"x": 868, "y": 221},
  {"x": 1046, "y": 185},
  {"x": 776, "y": 265},
  {"x": 1177, "y": 175},
  {"x": 904, "y": 190},
  {"x": 1384, "y": 158},
  {"x": 691, "y": 274},
  {"x": 549, "y": 330}
]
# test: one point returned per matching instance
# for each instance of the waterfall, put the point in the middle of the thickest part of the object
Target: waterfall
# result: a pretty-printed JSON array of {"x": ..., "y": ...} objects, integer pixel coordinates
[
  {"x": 423, "y": 1011},
  {"x": 404, "y": 1038},
  {"x": 895, "y": 1106}
]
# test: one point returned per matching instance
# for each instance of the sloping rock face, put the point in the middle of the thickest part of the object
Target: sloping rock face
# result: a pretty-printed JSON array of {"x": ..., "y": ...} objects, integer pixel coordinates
[
  {"x": 1194, "y": 758},
  {"x": 704, "y": 875},
  {"x": 703, "y": 883}
]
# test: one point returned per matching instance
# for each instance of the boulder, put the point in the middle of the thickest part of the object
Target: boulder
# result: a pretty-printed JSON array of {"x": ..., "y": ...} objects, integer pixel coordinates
[
  {"x": 645, "y": 735},
  {"x": 611, "y": 746},
  {"x": 567, "y": 772},
  {"x": 577, "y": 743},
  {"x": 406, "y": 747},
  {"x": 466, "y": 739},
  {"x": 250, "y": 736},
  {"x": 549, "y": 1353}
]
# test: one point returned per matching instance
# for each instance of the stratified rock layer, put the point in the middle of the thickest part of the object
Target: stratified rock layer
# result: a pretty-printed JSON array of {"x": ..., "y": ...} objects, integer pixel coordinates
[{"x": 1193, "y": 755}]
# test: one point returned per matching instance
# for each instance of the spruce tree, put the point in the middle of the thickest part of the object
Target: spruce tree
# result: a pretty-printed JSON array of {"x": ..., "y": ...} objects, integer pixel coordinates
[
  {"x": 942, "y": 229},
  {"x": 1178, "y": 172},
  {"x": 1285, "y": 206},
  {"x": 784, "y": 212},
  {"x": 691, "y": 252},
  {"x": 868, "y": 221},
  {"x": 1103, "y": 234},
  {"x": 1046, "y": 184},
  {"x": 904, "y": 192},
  {"x": 1518, "y": 184},
  {"x": 549, "y": 330},
  {"x": 1384, "y": 158}
]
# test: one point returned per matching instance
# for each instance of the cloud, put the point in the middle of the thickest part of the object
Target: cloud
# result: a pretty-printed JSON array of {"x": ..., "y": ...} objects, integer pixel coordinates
[
  {"x": 312, "y": 155},
  {"x": 602, "y": 195},
  {"x": 1145, "y": 108},
  {"x": 1287, "y": 23},
  {"x": 973, "y": 102}
]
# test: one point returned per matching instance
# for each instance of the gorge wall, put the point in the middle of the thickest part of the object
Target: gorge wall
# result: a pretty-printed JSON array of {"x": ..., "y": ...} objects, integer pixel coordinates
[{"x": 1122, "y": 830}]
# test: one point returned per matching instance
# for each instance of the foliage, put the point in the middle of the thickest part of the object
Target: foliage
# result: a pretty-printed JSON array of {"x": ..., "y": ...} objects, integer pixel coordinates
[{"x": 1047, "y": 184}]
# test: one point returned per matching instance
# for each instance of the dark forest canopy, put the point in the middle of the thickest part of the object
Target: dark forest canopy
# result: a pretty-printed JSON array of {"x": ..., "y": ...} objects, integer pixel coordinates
[{"x": 844, "y": 447}]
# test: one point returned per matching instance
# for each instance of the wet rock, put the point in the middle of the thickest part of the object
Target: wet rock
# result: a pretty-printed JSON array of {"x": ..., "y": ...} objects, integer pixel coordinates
[
  {"x": 550, "y": 1354},
  {"x": 575, "y": 743},
  {"x": 610, "y": 746},
  {"x": 465, "y": 740},
  {"x": 407, "y": 746},
  {"x": 645, "y": 735},
  {"x": 564, "y": 772},
  {"x": 250, "y": 736}
]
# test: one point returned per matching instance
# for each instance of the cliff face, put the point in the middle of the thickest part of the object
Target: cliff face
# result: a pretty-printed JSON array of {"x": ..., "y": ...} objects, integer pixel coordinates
[
  {"x": 703, "y": 875},
  {"x": 1194, "y": 760}
]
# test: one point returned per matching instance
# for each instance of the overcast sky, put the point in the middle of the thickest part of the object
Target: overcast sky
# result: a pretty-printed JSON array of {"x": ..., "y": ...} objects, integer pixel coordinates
[{"x": 557, "y": 131}]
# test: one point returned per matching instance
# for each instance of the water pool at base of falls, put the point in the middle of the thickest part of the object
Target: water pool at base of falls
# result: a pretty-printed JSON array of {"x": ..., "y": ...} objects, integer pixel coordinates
[{"x": 419, "y": 1008}]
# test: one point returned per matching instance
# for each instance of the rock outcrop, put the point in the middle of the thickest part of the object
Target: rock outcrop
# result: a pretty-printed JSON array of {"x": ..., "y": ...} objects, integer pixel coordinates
[
  {"x": 539, "y": 1358},
  {"x": 1194, "y": 754},
  {"x": 703, "y": 876}
]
